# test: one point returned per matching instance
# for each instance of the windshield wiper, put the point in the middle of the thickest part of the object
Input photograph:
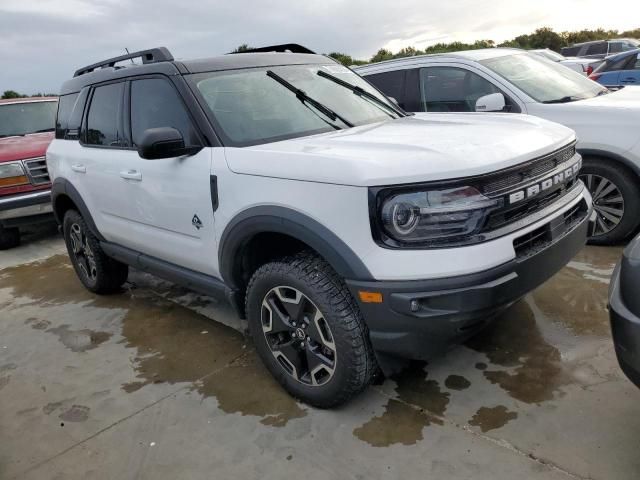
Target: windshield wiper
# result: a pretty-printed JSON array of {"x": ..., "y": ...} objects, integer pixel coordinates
[
  {"x": 361, "y": 92},
  {"x": 566, "y": 99},
  {"x": 306, "y": 99}
]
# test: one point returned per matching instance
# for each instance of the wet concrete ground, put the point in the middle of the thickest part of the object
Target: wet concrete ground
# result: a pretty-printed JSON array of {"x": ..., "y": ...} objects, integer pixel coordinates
[{"x": 157, "y": 382}]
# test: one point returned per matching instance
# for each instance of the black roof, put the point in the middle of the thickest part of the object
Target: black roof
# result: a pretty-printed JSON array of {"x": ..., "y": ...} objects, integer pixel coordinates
[{"x": 159, "y": 60}]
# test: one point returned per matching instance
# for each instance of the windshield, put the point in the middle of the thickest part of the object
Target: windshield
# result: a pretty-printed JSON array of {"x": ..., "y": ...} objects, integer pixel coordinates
[
  {"x": 544, "y": 81},
  {"x": 550, "y": 55},
  {"x": 251, "y": 107},
  {"x": 24, "y": 118}
]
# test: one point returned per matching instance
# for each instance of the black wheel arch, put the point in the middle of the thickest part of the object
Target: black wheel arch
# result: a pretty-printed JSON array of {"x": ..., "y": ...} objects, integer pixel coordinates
[
  {"x": 290, "y": 223},
  {"x": 65, "y": 196}
]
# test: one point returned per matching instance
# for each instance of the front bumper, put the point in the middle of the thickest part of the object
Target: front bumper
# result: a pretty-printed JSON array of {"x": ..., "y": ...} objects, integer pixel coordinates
[
  {"x": 420, "y": 319},
  {"x": 26, "y": 208},
  {"x": 624, "y": 311}
]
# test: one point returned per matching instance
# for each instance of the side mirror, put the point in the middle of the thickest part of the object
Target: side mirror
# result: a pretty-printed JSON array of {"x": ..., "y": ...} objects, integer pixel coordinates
[
  {"x": 494, "y": 102},
  {"x": 163, "y": 142}
]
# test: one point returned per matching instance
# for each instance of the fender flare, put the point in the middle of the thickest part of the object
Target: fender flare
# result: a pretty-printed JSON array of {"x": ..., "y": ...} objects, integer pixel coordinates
[
  {"x": 63, "y": 187},
  {"x": 275, "y": 219},
  {"x": 592, "y": 152}
]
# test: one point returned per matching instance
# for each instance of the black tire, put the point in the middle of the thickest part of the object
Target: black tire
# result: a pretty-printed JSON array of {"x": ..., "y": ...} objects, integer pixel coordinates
[
  {"x": 97, "y": 272},
  {"x": 9, "y": 238},
  {"x": 627, "y": 184},
  {"x": 355, "y": 364}
]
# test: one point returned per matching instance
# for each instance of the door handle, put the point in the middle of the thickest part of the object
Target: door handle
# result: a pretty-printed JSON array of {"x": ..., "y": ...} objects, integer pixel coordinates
[
  {"x": 131, "y": 175},
  {"x": 79, "y": 168}
]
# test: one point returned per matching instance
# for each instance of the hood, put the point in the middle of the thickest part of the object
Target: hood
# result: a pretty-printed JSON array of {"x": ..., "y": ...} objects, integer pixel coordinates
[
  {"x": 608, "y": 122},
  {"x": 420, "y": 148},
  {"x": 28, "y": 146}
]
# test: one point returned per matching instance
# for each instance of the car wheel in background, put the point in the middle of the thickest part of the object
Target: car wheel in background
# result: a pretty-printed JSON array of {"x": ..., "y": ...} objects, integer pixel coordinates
[
  {"x": 97, "y": 272},
  {"x": 616, "y": 200},
  {"x": 9, "y": 238},
  {"x": 309, "y": 331}
]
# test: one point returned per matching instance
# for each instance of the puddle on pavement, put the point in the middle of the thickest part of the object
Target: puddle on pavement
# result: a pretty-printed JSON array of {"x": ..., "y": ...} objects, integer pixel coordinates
[
  {"x": 492, "y": 418},
  {"x": 533, "y": 370},
  {"x": 420, "y": 403},
  {"x": 576, "y": 297},
  {"x": 173, "y": 344},
  {"x": 457, "y": 382}
]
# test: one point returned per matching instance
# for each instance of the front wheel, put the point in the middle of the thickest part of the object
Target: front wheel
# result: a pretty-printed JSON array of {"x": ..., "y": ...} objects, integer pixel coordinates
[
  {"x": 308, "y": 330},
  {"x": 616, "y": 200}
]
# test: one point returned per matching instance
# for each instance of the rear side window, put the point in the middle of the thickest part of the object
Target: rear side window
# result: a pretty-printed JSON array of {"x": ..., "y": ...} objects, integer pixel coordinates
[
  {"x": 155, "y": 103},
  {"x": 65, "y": 107},
  {"x": 597, "y": 49},
  {"x": 570, "y": 51},
  {"x": 104, "y": 118},
  {"x": 391, "y": 84},
  {"x": 615, "y": 47}
]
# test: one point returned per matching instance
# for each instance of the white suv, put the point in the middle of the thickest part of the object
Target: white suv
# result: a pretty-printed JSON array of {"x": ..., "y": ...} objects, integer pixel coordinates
[
  {"x": 350, "y": 234},
  {"x": 510, "y": 80}
]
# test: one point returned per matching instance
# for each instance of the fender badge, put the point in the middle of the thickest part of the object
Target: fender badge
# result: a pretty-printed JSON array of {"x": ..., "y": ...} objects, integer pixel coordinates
[{"x": 195, "y": 221}]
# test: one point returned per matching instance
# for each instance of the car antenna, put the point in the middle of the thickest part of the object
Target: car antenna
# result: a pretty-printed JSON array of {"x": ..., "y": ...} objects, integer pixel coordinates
[{"x": 129, "y": 53}]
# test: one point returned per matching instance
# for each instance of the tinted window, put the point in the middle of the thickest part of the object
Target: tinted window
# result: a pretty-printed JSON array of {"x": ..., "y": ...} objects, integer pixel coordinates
[
  {"x": 615, "y": 47},
  {"x": 103, "y": 121},
  {"x": 391, "y": 84},
  {"x": 449, "y": 89},
  {"x": 570, "y": 51},
  {"x": 65, "y": 107},
  {"x": 155, "y": 103},
  {"x": 597, "y": 49}
]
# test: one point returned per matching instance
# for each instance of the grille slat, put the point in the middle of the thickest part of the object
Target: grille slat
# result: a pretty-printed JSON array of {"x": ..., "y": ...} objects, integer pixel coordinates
[{"x": 37, "y": 171}]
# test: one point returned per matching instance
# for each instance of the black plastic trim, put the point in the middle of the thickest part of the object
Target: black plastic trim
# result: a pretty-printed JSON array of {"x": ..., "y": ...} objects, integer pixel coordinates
[
  {"x": 63, "y": 187},
  {"x": 423, "y": 318},
  {"x": 213, "y": 180},
  {"x": 197, "y": 281},
  {"x": 270, "y": 218}
]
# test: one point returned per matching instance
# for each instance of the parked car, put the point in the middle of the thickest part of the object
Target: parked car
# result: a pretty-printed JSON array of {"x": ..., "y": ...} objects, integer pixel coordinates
[
  {"x": 600, "y": 48},
  {"x": 584, "y": 66},
  {"x": 511, "y": 80},
  {"x": 624, "y": 310},
  {"x": 26, "y": 129},
  {"x": 349, "y": 233},
  {"x": 619, "y": 70}
]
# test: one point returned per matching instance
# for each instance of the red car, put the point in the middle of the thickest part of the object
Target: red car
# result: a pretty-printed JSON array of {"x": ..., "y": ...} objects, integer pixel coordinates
[{"x": 27, "y": 127}]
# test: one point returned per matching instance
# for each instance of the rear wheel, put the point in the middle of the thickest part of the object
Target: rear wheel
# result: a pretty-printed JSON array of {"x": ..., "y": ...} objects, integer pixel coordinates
[
  {"x": 9, "y": 238},
  {"x": 309, "y": 331},
  {"x": 97, "y": 272},
  {"x": 616, "y": 200}
]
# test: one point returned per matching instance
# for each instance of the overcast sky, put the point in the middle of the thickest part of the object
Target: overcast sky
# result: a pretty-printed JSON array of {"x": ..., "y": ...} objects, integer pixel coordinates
[{"x": 43, "y": 41}]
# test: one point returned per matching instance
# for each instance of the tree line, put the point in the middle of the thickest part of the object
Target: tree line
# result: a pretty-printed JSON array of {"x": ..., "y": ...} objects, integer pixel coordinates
[
  {"x": 13, "y": 94},
  {"x": 542, "y": 38}
]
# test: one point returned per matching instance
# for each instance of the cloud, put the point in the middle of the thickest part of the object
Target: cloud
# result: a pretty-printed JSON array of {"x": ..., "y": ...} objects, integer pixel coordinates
[{"x": 44, "y": 41}]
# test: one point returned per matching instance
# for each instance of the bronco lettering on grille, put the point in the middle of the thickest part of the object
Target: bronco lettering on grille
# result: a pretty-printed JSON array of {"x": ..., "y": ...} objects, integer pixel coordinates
[{"x": 563, "y": 176}]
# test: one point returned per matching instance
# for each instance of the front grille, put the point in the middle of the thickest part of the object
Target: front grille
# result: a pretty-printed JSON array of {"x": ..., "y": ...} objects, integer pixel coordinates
[
  {"x": 528, "y": 171},
  {"x": 37, "y": 171},
  {"x": 531, "y": 243}
]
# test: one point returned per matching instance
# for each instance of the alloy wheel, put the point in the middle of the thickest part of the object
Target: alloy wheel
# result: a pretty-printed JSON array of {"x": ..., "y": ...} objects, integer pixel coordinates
[
  {"x": 608, "y": 203},
  {"x": 298, "y": 336},
  {"x": 82, "y": 252}
]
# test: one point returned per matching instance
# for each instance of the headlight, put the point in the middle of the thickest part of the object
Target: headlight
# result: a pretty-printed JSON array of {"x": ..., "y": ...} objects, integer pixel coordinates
[
  {"x": 12, "y": 174},
  {"x": 433, "y": 217}
]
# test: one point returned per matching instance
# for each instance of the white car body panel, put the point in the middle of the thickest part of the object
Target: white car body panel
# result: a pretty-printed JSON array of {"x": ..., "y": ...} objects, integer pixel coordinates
[
  {"x": 421, "y": 148},
  {"x": 608, "y": 123}
]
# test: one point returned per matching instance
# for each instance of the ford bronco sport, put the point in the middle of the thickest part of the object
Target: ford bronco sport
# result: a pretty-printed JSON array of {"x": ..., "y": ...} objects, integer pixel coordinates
[
  {"x": 349, "y": 233},
  {"x": 26, "y": 129}
]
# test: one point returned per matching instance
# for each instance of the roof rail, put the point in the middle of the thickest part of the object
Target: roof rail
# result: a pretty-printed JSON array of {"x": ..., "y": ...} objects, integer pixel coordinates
[
  {"x": 284, "y": 48},
  {"x": 153, "y": 55}
]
